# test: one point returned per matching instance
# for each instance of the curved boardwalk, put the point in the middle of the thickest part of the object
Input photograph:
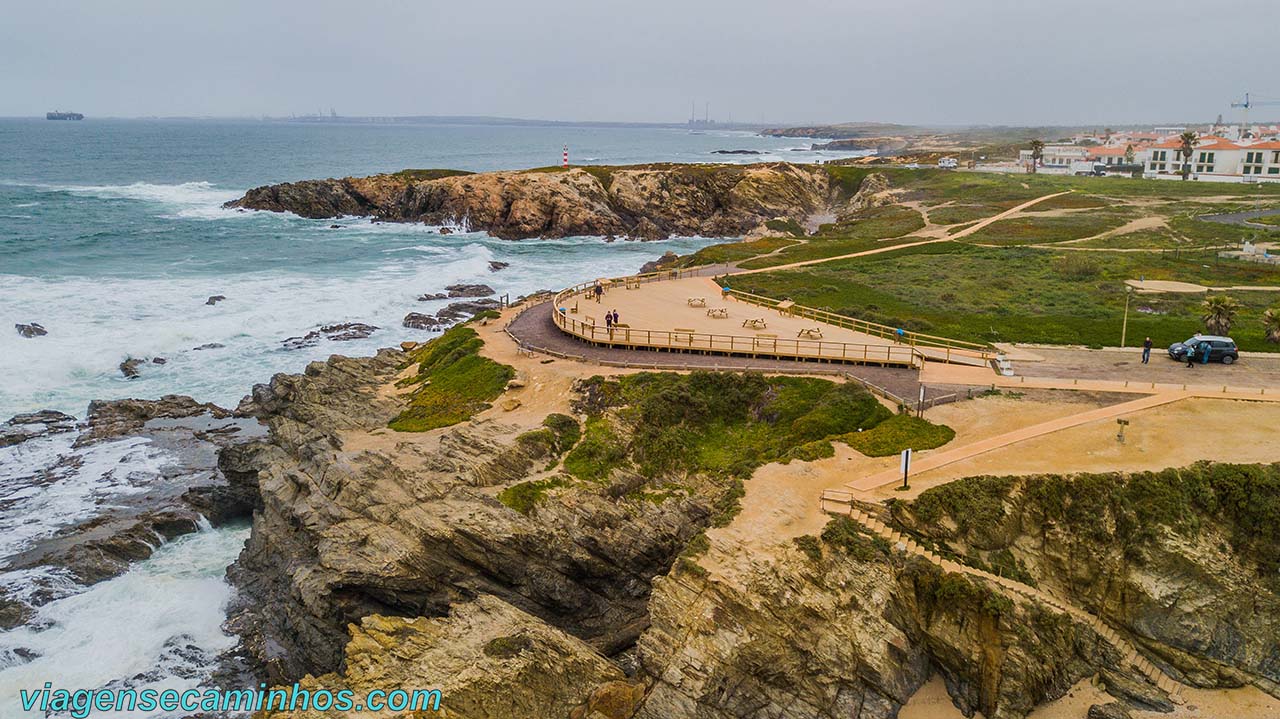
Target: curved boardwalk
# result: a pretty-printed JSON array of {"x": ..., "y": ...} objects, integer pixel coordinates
[{"x": 534, "y": 328}]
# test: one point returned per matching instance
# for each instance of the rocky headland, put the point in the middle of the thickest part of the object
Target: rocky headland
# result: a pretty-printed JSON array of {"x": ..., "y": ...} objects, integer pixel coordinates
[{"x": 640, "y": 202}]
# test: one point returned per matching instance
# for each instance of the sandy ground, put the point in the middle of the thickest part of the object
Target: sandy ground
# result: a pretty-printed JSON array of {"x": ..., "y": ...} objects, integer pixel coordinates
[
  {"x": 933, "y": 702},
  {"x": 1156, "y": 286},
  {"x": 1172, "y": 435},
  {"x": 1251, "y": 370}
]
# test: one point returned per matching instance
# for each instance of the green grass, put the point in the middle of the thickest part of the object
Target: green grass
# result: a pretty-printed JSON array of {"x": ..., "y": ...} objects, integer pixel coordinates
[
  {"x": 962, "y": 214},
  {"x": 849, "y": 537},
  {"x": 1023, "y": 294},
  {"x": 523, "y": 497},
  {"x": 734, "y": 251},
  {"x": 1267, "y": 220},
  {"x": 787, "y": 227},
  {"x": 453, "y": 382},
  {"x": 720, "y": 426},
  {"x": 897, "y": 433},
  {"x": 1044, "y": 230},
  {"x": 421, "y": 175},
  {"x": 865, "y": 230}
]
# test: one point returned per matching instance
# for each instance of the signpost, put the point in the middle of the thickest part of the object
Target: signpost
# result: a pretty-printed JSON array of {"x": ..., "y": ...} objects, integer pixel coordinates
[{"x": 906, "y": 467}]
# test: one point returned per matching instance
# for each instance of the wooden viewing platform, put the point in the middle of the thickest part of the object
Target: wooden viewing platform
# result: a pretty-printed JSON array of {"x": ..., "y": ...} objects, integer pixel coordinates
[{"x": 687, "y": 311}]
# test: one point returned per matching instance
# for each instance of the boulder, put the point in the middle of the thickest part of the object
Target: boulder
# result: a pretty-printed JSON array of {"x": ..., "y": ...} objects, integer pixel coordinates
[
  {"x": 209, "y": 346},
  {"x": 1140, "y": 694},
  {"x": 667, "y": 260},
  {"x": 31, "y": 330},
  {"x": 446, "y": 231},
  {"x": 215, "y": 299},
  {"x": 129, "y": 367},
  {"x": 463, "y": 290},
  {"x": 457, "y": 311},
  {"x": 1110, "y": 710},
  {"x": 408, "y": 346},
  {"x": 645, "y": 229},
  {"x": 159, "y": 360},
  {"x": 420, "y": 321},
  {"x": 344, "y": 332},
  {"x": 22, "y": 427},
  {"x": 432, "y": 296},
  {"x": 494, "y": 265}
]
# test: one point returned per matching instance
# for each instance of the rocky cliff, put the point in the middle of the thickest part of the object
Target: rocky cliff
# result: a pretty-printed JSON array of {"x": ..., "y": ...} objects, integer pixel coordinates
[
  {"x": 641, "y": 201},
  {"x": 1184, "y": 560}
]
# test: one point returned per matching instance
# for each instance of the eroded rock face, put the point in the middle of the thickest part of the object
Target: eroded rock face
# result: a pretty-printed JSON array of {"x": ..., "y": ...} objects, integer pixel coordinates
[
  {"x": 840, "y": 636},
  {"x": 346, "y": 532},
  {"x": 488, "y": 659},
  {"x": 1193, "y": 586},
  {"x": 645, "y": 201}
]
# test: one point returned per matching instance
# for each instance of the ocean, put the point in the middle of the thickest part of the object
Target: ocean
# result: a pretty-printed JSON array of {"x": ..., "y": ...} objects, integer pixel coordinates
[{"x": 112, "y": 237}]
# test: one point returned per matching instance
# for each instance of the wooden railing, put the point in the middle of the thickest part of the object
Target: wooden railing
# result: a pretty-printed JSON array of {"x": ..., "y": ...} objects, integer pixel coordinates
[
  {"x": 942, "y": 348},
  {"x": 692, "y": 341}
]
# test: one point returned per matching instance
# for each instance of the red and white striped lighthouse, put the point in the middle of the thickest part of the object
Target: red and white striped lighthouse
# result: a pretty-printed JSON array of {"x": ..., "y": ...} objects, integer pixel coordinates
[{"x": 566, "y": 157}]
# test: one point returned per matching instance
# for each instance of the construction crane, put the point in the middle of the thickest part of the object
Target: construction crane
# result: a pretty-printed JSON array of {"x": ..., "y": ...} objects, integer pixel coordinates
[{"x": 1248, "y": 103}]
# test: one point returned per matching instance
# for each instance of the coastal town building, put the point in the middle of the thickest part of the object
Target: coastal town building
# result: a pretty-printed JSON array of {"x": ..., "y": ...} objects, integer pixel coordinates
[{"x": 1216, "y": 159}]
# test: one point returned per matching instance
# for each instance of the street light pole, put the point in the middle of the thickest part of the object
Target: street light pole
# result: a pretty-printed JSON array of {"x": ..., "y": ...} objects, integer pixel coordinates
[{"x": 1124, "y": 326}]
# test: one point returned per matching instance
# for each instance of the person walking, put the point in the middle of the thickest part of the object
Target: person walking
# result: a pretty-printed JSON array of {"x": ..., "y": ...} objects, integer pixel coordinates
[
  {"x": 1191, "y": 354},
  {"x": 599, "y": 291},
  {"x": 1146, "y": 351},
  {"x": 615, "y": 318}
]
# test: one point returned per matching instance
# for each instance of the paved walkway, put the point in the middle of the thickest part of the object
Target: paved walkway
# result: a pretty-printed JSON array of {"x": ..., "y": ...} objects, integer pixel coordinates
[
  {"x": 534, "y": 328},
  {"x": 963, "y": 233}
]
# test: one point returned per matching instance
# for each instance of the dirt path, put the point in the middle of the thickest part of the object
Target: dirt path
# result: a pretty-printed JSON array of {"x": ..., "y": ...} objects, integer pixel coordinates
[{"x": 963, "y": 233}]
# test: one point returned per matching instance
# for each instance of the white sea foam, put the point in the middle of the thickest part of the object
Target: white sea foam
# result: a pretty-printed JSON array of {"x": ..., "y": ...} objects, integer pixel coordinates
[
  {"x": 158, "y": 626},
  {"x": 46, "y": 485}
]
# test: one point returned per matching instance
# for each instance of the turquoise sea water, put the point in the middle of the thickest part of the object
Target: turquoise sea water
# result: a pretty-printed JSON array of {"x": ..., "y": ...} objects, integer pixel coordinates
[{"x": 112, "y": 236}]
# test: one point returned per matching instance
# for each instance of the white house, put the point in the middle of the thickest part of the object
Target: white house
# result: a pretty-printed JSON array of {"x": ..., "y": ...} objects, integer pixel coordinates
[{"x": 1217, "y": 158}]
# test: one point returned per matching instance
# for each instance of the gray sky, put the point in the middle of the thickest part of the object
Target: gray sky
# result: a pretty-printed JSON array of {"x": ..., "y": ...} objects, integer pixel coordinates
[{"x": 913, "y": 61}]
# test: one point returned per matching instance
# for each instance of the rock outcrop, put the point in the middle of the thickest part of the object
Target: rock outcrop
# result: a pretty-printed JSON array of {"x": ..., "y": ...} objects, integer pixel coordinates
[
  {"x": 487, "y": 659},
  {"x": 33, "y": 329},
  {"x": 1182, "y": 560},
  {"x": 193, "y": 476},
  {"x": 642, "y": 201},
  {"x": 827, "y": 632}
]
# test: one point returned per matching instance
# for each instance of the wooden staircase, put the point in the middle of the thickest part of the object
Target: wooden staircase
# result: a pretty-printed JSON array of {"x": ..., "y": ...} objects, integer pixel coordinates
[{"x": 838, "y": 502}]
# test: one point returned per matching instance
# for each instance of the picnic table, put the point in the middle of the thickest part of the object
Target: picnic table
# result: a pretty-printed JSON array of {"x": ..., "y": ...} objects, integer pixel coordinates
[
  {"x": 718, "y": 312},
  {"x": 755, "y": 323},
  {"x": 814, "y": 332},
  {"x": 697, "y": 301}
]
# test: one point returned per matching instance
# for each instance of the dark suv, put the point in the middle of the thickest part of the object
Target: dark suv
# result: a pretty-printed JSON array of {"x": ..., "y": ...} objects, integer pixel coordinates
[{"x": 1221, "y": 349}]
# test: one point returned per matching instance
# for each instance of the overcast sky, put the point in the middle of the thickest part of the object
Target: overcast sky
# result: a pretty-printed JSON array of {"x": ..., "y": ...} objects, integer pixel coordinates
[{"x": 911, "y": 61}]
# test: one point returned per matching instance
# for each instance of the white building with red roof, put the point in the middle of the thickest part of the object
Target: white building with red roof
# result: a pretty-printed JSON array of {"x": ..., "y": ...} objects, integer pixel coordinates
[{"x": 1217, "y": 159}]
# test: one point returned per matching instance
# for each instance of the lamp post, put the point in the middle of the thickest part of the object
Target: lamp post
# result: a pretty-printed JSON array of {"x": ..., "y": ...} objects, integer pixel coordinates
[{"x": 1124, "y": 326}]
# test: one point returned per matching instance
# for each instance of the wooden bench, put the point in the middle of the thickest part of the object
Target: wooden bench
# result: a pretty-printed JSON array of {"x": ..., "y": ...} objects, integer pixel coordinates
[
  {"x": 784, "y": 307},
  {"x": 522, "y": 351},
  {"x": 765, "y": 338},
  {"x": 718, "y": 312},
  {"x": 813, "y": 332},
  {"x": 687, "y": 332},
  {"x": 697, "y": 301},
  {"x": 755, "y": 323}
]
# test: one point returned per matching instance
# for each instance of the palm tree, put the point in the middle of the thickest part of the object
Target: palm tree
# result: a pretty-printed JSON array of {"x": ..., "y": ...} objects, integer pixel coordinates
[
  {"x": 1271, "y": 325},
  {"x": 1219, "y": 312},
  {"x": 1189, "y": 142},
  {"x": 1037, "y": 152}
]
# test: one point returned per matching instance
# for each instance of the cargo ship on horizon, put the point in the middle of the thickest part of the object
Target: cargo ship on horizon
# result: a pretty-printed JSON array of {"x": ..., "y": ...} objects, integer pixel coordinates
[{"x": 59, "y": 115}]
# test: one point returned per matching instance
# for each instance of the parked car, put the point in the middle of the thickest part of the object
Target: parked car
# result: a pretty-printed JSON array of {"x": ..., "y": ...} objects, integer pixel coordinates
[{"x": 1221, "y": 349}]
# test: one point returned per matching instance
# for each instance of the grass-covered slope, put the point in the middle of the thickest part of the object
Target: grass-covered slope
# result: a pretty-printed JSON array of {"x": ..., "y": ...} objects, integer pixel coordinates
[{"x": 453, "y": 382}]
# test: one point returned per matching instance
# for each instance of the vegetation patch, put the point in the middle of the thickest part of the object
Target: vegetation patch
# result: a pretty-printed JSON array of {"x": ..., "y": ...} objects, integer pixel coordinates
[
  {"x": 849, "y": 537},
  {"x": 861, "y": 231},
  {"x": 734, "y": 251},
  {"x": 1044, "y": 230},
  {"x": 454, "y": 382},
  {"x": 899, "y": 432},
  {"x": 785, "y": 226},
  {"x": 422, "y": 175},
  {"x": 523, "y": 497},
  {"x": 600, "y": 452},
  {"x": 507, "y": 647},
  {"x": 1020, "y": 294}
]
